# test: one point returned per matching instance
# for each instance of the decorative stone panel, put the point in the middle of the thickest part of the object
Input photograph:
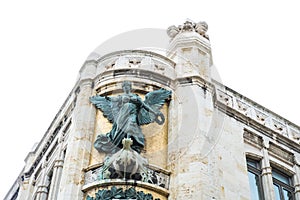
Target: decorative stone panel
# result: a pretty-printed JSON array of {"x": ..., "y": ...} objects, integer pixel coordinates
[
  {"x": 238, "y": 104},
  {"x": 253, "y": 139},
  {"x": 281, "y": 153}
]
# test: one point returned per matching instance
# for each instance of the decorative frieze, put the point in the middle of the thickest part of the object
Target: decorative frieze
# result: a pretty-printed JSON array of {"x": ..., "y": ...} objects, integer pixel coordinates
[
  {"x": 281, "y": 153},
  {"x": 225, "y": 98},
  {"x": 119, "y": 193},
  {"x": 238, "y": 104},
  {"x": 137, "y": 59},
  {"x": 253, "y": 139},
  {"x": 280, "y": 127},
  {"x": 242, "y": 106}
]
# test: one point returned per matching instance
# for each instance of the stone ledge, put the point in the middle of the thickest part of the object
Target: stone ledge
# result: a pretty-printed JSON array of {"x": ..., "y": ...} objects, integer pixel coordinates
[
  {"x": 120, "y": 182},
  {"x": 161, "y": 180}
]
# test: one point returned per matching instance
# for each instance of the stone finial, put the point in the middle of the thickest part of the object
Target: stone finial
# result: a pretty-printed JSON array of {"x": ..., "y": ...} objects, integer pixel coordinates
[
  {"x": 189, "y": 26},
  {"x": 172, "y": 31},
  {"x": 201, "y": 28}
]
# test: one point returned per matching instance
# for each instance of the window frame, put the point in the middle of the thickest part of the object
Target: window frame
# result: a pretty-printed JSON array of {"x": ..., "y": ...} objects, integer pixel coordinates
[
  {"x": 281, "y": 185},
  {"x": 257, "y": 171}
]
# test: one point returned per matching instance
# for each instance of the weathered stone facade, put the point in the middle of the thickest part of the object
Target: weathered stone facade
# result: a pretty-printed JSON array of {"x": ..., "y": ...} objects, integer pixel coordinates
[{"x": 201, "y": 150}]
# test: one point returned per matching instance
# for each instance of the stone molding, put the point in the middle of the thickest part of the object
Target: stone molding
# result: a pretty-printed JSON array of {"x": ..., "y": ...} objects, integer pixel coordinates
[
  {"x": 253, "y": 139},
  {"x": 258, "y": 117},
  {"x": 281, "y": 154},
  {"x": 120, "y": 182}
]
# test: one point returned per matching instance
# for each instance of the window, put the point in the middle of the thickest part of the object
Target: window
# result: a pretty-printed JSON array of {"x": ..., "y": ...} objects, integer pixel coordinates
[
  {"x": 282, "y": 186},
  {"x": 254, "y": 175}
]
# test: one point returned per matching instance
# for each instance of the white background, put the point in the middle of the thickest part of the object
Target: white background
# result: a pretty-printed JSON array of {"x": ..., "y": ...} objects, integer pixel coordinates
[{"x": 255, "y": 48}]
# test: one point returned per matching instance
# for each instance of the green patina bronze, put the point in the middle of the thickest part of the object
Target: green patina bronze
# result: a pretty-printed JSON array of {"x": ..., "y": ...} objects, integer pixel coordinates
[
  {"x": 128, "y": 112},
  {"x": 118, "y": 193}
]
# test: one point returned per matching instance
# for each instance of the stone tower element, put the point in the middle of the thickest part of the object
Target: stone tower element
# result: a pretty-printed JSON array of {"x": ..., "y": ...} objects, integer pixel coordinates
[
  {"x": 190, "y": 49},
  {"x": 191, "y": 110}
]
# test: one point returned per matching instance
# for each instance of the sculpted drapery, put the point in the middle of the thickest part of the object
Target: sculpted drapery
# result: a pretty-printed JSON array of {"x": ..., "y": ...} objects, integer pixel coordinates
[{"x": 128, "y": 112}]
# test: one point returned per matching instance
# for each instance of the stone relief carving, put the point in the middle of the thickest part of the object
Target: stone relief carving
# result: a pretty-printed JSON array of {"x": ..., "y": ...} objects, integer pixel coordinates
[
  {"x": 261, "y": 117},
  {"x": 242, "y": 107},
  {"x": 279, "y": 127},
  {"x": 200, "y": 27},
  {"x": 259, "y": 114},
  {"x": 225, "y": 98},
  {"x": 281, "y": 153},
  {"x": 253, "y": 139}
]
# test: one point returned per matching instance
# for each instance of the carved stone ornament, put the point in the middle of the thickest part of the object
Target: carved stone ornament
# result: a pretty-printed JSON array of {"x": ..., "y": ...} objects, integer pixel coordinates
[
  {"x": 200, "y": 27},
  {"x": 128, "y": 112},
  {"x": 119, "y": 193},
  {"x": 125, "y": 164}
]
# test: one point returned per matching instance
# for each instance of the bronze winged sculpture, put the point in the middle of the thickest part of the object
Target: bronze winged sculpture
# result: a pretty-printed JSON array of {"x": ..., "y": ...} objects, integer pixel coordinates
[{"x": 128, "y": 112}]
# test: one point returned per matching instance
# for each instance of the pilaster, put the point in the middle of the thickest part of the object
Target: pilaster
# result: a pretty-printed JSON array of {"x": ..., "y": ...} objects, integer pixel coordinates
[
  {"x": 191, "y": 115},
  {"x": 57, "y": 171},
  {"x": 42, "y": 188},
  {"x": 296, "y": 178},
  {"x": 80, "y": 137},
  {"x": 266, "y": 175}
]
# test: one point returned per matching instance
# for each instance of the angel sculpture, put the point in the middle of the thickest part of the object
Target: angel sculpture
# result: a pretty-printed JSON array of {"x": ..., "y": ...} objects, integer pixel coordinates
[{"x": 127, "y": 112}]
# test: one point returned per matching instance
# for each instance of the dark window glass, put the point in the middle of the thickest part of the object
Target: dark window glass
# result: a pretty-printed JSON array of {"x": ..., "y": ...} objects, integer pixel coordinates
[
  {"x": 282, "y": 186},
  {"x": 254, "y": 175}
]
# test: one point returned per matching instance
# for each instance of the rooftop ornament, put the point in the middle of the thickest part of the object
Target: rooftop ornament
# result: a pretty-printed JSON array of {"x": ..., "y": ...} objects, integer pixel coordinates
[{"x": 188, "y": 26}]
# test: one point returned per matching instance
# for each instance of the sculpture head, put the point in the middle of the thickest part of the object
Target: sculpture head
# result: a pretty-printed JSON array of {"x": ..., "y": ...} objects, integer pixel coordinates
[{"x": 126, "y": 85}]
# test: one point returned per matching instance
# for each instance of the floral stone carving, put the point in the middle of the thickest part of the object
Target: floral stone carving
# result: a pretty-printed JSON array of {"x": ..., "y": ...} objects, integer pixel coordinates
[{"x": 119, "y": 193}]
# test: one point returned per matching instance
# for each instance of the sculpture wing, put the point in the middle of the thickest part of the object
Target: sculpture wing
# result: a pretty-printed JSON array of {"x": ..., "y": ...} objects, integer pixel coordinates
[
  {"x": 154, "y": 100},
  {"x": 157, "y": 98},
  {"x": 105, "y": 105}
]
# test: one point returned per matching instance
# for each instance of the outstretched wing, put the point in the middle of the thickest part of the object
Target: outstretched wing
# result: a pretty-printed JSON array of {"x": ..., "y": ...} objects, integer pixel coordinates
[
  {"x": 157, "y": 98},
  {"x": 154, "y": 100},
  {"x": 105, "y": 105}
]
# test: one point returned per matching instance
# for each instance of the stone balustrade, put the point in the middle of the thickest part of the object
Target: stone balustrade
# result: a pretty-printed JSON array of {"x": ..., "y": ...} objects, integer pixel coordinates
[{"x": 155, "y": 176}]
